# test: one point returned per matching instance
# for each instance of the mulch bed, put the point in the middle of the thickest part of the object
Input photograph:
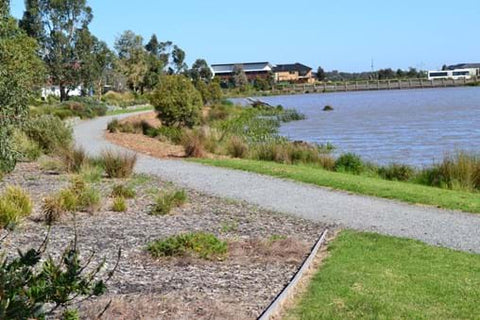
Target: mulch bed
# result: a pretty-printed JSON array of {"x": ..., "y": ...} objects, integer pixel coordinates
[{"x": 265, "y": 250}]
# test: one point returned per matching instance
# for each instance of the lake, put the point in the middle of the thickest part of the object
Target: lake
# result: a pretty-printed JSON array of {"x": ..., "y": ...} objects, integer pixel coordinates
[{"x": 416, "y": 127}]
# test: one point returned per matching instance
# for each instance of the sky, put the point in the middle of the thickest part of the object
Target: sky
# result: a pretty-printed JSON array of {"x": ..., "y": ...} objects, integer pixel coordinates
[{"x": 345, "y": 35}]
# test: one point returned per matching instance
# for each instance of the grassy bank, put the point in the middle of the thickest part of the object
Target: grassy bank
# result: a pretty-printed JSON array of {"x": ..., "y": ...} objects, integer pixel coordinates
[
  {"x": 408, "y": 192},
  {"x": 127, "y": 110},
  {"x": 368, "y": 276}
]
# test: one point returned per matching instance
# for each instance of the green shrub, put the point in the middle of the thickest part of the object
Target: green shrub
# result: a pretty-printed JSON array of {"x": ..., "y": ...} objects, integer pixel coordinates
[
  {"x": 121, "y": 190},
  {"x": 113, "y": 126},
  {"x": 29, "y": 150},
  {"x": 177, "y": 101},
  {"x": 166, "y": 201},
  {"x": 118, "y": 164},
  {"x": 33, "y": 283},
  {"x": 202, "y": 245},
  {"x": 119, "y": 204},
  {"x": 349, "y": 162},
  {"x": 49, "y": 132},
  {"x": 398, "y": 172},
  {"x": 172, "y": 134},
  {"x": 71, "y": 314}
]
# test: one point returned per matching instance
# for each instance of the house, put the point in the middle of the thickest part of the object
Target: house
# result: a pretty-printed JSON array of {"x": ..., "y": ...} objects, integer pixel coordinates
[
  {"x": 293, "y": 73},
  {"x": 252, "y": 70},
  {"x": 456, "y": 72},
  {"x": 473, "y": 68}
]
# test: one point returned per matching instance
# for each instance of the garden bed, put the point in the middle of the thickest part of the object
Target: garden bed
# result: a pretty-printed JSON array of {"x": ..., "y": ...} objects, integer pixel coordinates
[{"x": 264, "y": 250}]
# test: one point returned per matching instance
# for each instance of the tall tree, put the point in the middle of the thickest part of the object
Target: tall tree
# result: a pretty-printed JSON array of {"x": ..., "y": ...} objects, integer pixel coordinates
[
  {"x": 201, "y": 71},
  {"x": 4, "y": 8},
  {"x": 20, "y": 71},
  {"x": 240, "y": 79},
  {"x": 320, "y": 74},
  {"x": 61, "y": 21},
  {"x": 153, "y": 46},
  {"x": 178, "y": 57},
  {"x": 133, "y": 59},
  {"x": 32, "y": 20}
]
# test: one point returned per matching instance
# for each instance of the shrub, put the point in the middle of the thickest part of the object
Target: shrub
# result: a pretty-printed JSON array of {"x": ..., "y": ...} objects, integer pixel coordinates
[
  {"x": 237, "y": 148},
  {"x": 203, "y": 245},
  {"x": 49, "y": 132},
  {"x": 177, "y": 101},
  {"x": 399, "y": 172},
  {"x": 171, "y": 133},
  {"x": 193, "y": 144},
  {"x": 118, "y": 164},
  {"x": 53, "y": 208},
  {"x": 33, "y": 286},
  {"x": 123, "y": 191},
  {"x": 166, "y": 201},
  {"x": 29, "y": 150},
  {"x": 119, "y": 204},
  {"x": 349, "y": 162}
]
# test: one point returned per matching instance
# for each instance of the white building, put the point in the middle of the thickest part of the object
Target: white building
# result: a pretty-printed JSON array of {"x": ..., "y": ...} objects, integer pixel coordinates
[
  {"x": 55, "y": 91},
  {"x": 456, "y": 72}
]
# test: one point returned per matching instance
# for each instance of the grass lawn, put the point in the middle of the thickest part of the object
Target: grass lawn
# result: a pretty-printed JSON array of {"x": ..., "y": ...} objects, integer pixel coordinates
[
  {"x": 408, "y": 192},
  {"x": 369, "y": 276},
  {"x": 123, "y": 111}
]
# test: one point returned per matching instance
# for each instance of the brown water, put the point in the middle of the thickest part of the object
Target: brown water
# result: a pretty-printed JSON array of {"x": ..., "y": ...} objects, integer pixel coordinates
[{"x": 416, "y": 127}]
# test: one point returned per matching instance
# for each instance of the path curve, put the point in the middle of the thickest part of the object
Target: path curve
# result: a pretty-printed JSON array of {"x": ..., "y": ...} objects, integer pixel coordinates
[{"x": 451, "y": 229}]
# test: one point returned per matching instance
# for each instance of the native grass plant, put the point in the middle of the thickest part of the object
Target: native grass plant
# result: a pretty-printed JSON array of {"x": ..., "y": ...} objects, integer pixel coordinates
[
  {"x": 119, "y": 204},
  {"x": 79, "y": 196},
  {"x": 49, "y": 132},
  {"x": 36, "y": 286},
  {"x": 124, "y": 191},
  {"x": 118, "y": 164},
  {"x": 200, "y": 244},
  {"x": 15, "y": 204},
  {"x": 168, "y": 200},
  {"x": 28, "y": 149},
  {"x": 396, "y": 172}
]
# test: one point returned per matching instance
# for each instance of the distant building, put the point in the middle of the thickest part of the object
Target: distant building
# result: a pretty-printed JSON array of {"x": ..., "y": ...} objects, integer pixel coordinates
[
  {"x": 457, "y": 71},
  {"x": 251, "y": 69},
  {"x": 55, "y": 91},
  {"x": 293, "y": 73}
]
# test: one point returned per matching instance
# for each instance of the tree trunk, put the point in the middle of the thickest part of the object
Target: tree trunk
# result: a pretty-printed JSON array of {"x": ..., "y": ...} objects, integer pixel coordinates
[{"x": 63, "y": 93}]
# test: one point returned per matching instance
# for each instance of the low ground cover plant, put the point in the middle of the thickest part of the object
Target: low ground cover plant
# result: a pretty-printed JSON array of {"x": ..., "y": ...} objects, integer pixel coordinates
[
  {"x": 202, "y": 245},
  {"x": 168, "y": 200},
  {"x": 82, "y": 107}
]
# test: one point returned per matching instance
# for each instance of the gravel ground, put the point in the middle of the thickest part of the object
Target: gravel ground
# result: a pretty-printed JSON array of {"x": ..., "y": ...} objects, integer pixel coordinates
[
  {"x": 434, "y": 226},
  {"x": 238, "y": 287}
]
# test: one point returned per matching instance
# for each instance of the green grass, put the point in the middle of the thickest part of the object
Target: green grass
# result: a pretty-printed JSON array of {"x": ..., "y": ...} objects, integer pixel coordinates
[
  {"x": 124, "y": 111},
  {"x": 408, "y": 192},
  {"x": 369, "y": 276}
]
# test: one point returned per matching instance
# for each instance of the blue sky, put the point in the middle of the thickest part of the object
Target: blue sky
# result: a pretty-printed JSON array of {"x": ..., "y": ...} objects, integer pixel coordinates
[{"x": 338, "y": 35}]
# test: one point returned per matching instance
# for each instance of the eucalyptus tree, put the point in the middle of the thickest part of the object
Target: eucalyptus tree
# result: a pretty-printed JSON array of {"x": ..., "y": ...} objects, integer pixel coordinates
[
  {"x": 56, "y": 25},
  {"x": 201, "y": 71}
]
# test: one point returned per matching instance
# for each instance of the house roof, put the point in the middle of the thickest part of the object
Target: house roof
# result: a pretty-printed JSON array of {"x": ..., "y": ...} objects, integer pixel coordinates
[
  {"x": 465, "y": 66},
  {"x": 247, "y": 67},
  {"x": 300, "y": 68}
]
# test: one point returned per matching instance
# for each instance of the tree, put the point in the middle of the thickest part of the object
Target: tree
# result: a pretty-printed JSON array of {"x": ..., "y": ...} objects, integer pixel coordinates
[
  {"x": 201, "y": 71},
  {"x": 444, "y": 67},
  {"x": 153, "y": 46},
  {"x": 320, "y": 74},
  {"x": 61, "y": 21},
  {"x": 4, "y": 8},
  {"x": 32, "y": 20},
  {"x": 178, "y": 57},
  {"x": 20, "y": 71},
  {"x": 240, "y": 79},
  {"x": 132, "y": 60},
  {"x": 177, "y": 101}
]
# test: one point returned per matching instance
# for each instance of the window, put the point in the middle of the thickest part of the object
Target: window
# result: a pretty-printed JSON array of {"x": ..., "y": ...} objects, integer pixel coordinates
[
  {"x": 438, "y": 74},
  {"x": 461, "y": 73}
]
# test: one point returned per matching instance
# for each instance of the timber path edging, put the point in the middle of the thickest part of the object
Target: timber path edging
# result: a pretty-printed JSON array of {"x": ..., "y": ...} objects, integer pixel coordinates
[{"x": 434, "y": 226}]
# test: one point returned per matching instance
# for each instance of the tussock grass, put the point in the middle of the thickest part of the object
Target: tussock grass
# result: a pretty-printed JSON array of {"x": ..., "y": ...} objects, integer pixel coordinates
[
  {"x": 118, "y": 164},
  {"x": 15, "y": 204},
  {"x": 167, "y": 200},
  {"x": 124, "y": 191},
  {"x": 119, "y": 204}
]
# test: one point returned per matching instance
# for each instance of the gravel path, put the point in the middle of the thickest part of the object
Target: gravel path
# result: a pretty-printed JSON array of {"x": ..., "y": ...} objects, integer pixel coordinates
[{"x": 434, "y": 226}]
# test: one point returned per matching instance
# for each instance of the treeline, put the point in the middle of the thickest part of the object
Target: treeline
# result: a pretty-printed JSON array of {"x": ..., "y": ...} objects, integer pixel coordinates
[
  {"x": 382, "y": 74},
  {"x": 73, "y": 57}
]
